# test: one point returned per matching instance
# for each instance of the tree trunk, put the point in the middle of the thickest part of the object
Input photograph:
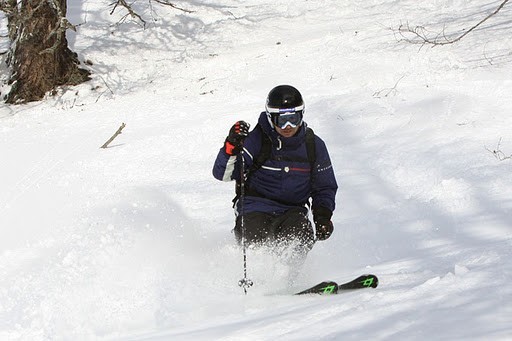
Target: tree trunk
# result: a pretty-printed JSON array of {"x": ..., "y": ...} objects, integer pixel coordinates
[
  {"x": 40, "y": 57},
  {"x": 9, "y": 7}
]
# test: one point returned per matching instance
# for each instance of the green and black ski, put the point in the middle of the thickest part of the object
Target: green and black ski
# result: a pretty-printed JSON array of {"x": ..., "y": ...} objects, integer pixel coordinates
[{"x": 332, "y": 288}]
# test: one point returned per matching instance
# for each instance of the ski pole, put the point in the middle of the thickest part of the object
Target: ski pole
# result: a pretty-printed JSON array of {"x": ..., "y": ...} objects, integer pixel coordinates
[{"x": 245, "y": 283}]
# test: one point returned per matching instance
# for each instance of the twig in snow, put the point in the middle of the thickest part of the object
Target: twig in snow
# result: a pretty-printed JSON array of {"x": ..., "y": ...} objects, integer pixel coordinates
[
  {"x": 388, "y": 91},
  {"x": 498, "y": 154},
  {"x": 105, "y": 145},
  {"x": 421, "y": 36},
  {"x": 167, "y": 3}
]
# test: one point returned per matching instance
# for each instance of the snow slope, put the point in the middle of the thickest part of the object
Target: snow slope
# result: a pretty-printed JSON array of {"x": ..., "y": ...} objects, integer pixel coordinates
[{"x": 134, "y": 241}]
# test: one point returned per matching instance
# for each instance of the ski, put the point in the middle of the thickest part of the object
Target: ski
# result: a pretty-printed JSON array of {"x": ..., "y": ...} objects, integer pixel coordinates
[{"x": 332, "y": 288}]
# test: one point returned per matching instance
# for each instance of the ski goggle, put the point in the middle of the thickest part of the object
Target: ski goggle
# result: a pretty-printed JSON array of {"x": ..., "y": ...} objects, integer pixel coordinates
[{"x": 286, "y": 117}]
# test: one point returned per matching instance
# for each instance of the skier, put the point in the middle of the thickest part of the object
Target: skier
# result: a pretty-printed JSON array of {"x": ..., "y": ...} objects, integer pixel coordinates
[{"x": 285, "y": 165}]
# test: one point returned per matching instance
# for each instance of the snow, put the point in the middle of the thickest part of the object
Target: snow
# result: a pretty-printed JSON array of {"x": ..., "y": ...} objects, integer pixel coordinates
[{"x": 134, "y": 242}]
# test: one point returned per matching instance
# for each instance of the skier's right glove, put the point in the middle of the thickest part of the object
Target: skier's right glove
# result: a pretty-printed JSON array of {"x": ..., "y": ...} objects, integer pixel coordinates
[
  {"x": 235, "y": 140},
  {"x": 323, "y": 224}
]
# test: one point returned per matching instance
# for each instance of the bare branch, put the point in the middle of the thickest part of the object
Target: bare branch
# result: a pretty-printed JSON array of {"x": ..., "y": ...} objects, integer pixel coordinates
[
  {"x": 388, "y": 91},
  {"x": 134, "y": 14},
  {"x": 423, "y": 37},
  {"x": 105, "y": 145},
  {"x": 130, "y": 10},
  {"x": 167, "y": 3},
  {"x": 498, "y": 154}
]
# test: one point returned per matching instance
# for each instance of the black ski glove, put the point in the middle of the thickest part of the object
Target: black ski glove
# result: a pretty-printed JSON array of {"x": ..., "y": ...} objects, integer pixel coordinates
[
  {"x": 323, "y": 224},
  {"x": 235, "y": 140}
]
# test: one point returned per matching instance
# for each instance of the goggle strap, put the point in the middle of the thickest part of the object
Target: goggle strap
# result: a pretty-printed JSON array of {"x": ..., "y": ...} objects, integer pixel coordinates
[{"x": 283, "y": 110}]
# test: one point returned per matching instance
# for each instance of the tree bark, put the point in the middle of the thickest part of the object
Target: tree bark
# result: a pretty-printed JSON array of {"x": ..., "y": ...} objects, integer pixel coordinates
[{"x": 40, "y": 57}]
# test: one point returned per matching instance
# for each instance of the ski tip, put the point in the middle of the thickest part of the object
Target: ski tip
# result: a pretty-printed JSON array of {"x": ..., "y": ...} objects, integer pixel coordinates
[
  {"x": 361, "y": 282},
  {"x": 324, "y": 288},
  {"x": 375, "y": 282},
  {"x": 330, "y": 287},
  {"x": 369, "y": 281}
]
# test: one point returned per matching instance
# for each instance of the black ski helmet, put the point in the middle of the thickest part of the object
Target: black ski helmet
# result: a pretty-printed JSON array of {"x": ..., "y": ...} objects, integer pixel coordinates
[
  {"x": 284, "y": 97},
  {"x": 283, "y": 100}
]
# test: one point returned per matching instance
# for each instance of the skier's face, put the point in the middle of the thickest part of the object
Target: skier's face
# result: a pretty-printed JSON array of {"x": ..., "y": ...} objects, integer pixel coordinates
[{"x": 288, "y": 131}]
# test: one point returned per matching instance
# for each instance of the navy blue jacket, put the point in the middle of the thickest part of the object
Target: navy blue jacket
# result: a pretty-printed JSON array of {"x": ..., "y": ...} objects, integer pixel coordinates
[{"x": 286, "y": 179}]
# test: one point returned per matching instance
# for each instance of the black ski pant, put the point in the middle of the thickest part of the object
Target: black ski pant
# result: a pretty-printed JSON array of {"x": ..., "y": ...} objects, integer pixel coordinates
[{"x": 264, "y": 228}]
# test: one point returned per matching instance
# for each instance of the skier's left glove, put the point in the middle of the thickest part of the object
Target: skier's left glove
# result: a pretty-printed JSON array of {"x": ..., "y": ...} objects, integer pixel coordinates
[{"x": 323, "y": 224}]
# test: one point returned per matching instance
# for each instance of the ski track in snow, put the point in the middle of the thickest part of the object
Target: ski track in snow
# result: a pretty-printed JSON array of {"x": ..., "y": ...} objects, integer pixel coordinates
[{"x": 134, "y": 242}]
